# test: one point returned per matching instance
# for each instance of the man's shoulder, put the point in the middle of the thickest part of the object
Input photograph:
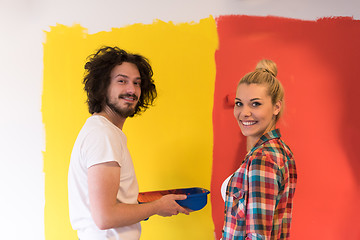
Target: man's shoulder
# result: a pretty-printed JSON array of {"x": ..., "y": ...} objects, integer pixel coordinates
[{"x": 97, "y": 126}]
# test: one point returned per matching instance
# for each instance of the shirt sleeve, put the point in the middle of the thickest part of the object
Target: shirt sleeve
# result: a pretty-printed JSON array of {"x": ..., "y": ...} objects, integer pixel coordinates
[
  {"x": 264, "y": 179},
  {"x": 101, "y": 146}
]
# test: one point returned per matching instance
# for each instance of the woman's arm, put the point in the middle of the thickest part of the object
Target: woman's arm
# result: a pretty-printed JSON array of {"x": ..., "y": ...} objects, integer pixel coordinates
[{"x": 262, "y": 195}]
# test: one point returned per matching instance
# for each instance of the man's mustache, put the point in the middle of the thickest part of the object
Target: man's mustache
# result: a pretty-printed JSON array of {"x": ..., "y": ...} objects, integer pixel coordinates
[{"x": 128, "y": 95}]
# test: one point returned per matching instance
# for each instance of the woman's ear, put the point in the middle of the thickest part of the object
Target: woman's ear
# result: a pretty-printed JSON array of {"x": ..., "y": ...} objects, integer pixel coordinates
[{"x": 277, "y": 107}]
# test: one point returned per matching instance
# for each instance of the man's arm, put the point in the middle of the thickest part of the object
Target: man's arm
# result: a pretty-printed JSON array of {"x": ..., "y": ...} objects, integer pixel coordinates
[{"x": 107, "y": 212}]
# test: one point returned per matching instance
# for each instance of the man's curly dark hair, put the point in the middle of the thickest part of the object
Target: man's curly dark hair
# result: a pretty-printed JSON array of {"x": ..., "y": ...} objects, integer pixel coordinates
[{"x": 97, "y": 77}]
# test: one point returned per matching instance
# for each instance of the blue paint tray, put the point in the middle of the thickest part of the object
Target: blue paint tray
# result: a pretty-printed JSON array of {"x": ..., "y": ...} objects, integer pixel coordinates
[{"x": 196, "y": 197}]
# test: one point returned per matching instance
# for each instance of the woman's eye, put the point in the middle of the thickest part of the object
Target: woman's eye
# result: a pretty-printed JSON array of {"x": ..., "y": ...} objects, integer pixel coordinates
[
  {"x": 238, "y": 104},
  {"x": 256, "y": 104}
]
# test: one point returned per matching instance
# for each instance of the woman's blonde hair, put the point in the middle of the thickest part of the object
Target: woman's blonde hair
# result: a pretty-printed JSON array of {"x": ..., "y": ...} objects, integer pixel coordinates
[{"x": 265, "y": 73}]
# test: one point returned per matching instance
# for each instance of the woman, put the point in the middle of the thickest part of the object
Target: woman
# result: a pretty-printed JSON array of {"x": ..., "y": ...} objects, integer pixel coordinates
[{"x": 259, "y": 195}]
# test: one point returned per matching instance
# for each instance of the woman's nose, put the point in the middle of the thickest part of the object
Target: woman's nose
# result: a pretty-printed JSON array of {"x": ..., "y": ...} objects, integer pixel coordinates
[{"x": 246, "y": 112}]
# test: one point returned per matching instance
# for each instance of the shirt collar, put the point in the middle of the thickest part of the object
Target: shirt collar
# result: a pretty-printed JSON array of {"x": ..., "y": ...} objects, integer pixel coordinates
[{"x": 266, "y": 137}]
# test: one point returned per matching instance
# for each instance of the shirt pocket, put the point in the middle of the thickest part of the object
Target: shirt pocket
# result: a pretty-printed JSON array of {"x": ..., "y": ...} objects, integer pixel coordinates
[{"x": 238, "y": 204}]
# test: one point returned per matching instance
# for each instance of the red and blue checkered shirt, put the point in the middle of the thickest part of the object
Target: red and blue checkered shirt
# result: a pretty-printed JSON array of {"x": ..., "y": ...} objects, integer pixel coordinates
[{"x": 259, "y": 196}]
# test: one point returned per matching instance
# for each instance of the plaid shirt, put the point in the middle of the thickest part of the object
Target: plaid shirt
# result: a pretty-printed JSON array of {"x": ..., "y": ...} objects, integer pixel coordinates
[{"x": 260, "y": 193}]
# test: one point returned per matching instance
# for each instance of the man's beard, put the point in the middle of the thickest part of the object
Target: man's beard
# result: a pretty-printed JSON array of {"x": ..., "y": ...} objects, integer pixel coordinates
[{"x": 123, "y": 112}]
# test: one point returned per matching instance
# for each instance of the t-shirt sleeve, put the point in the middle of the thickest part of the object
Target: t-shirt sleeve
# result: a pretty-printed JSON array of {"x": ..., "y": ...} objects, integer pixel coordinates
[{"x": 100, "y": 146}]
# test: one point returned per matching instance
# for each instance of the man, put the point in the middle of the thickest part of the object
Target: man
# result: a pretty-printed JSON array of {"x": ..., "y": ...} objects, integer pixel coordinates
[{"x": 102, "y": 185}]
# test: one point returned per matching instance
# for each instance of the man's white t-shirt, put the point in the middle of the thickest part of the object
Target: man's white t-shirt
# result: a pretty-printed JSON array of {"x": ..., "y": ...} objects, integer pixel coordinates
[{"x": 100, "y": 141}]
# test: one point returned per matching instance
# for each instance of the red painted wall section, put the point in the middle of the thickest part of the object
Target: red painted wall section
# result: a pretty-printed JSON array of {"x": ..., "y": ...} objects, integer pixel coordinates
[{"x": 318, "y": 64}]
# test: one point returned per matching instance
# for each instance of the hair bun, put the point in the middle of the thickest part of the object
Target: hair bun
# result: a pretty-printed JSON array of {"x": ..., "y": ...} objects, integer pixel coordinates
[{"x": 268, "y": 65}]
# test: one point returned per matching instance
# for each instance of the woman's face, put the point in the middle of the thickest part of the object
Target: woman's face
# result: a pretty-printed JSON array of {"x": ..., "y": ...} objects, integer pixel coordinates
[{"x": 254, "y": 110}]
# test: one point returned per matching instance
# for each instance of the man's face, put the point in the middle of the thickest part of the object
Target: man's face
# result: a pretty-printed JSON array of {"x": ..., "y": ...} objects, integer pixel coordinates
[{"x": 124, "y": 89}]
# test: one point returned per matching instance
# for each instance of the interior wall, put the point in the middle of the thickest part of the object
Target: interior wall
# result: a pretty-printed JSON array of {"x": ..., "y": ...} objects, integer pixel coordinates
[
  {"x": 168, "y": 143},
  {"x": 23, "y": 25},
  {"x": 315, "y": 61}
]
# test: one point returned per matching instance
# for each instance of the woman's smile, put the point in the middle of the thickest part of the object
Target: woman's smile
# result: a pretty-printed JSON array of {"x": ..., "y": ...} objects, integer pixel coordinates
[
  {"x": 254, "y": 111},
  {"x": 248, "y": 123}
]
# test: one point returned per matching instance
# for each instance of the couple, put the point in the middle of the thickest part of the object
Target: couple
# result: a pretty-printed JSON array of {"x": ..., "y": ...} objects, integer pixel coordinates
[{"x": 102, "y": 185}]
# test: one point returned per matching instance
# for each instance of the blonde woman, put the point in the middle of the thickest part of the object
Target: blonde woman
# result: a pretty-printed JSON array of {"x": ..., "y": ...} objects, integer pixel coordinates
[{"x": 259, "y": 195}]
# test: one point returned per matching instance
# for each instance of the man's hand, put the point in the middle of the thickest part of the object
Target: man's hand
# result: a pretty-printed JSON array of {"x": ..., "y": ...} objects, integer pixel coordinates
[{"x": 167, "y": 205}]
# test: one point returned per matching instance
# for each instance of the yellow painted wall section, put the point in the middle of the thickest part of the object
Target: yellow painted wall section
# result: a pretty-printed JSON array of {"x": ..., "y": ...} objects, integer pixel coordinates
[{"x": 171, "y": 143}]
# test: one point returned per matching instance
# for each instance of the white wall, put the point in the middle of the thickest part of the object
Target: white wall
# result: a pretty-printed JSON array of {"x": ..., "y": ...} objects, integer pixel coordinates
[{"x": 22, "y": 26}]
